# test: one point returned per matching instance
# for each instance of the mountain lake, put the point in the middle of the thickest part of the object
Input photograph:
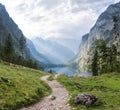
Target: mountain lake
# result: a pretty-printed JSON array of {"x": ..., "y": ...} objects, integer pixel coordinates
[{"x": 68, "y": 71}]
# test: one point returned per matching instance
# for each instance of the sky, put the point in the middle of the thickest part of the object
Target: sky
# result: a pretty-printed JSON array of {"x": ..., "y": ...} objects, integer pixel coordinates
[{"x": 55, "y": 18}]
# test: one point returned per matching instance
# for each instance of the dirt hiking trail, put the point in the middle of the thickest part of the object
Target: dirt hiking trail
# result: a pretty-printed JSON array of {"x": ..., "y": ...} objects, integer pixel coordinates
[{"x": 58, "y": 100}]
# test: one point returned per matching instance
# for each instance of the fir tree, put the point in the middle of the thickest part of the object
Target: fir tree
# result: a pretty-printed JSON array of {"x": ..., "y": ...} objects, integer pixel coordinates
[
  {"x": 95, "y": 63},
  {"x": 22, "y": 43},
  {"x": 116, "y": 33},
  {"x": 8, "y": 49}
]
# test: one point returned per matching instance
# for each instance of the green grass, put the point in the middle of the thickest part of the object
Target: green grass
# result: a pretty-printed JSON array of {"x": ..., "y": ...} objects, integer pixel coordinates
[
  {"x": 20, "y": 86},
  {"x": 106, "y": 87},
  {"x": 51, "y": 77}
]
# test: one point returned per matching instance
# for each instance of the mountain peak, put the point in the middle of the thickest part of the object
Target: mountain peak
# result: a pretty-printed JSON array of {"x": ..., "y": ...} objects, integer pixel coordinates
[
  {"x": 114, "y": 8},
  {"x": 2, "y": 7}
]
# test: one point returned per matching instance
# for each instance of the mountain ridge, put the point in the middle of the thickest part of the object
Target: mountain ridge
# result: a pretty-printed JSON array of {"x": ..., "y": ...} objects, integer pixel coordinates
[
  {"x": 53, "y": 51},
  {"x": 36, "y": 54},
  {"x": 101, "y": 30},
  {"x": 9, "y": 27}
]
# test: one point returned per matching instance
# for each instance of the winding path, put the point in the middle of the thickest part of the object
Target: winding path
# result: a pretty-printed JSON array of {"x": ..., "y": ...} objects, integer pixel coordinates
[{"x": 61, "y": 94}]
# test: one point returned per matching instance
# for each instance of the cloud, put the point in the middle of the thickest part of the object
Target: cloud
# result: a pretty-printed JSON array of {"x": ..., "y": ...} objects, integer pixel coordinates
[
  {"x": 117, "y": 1},
  {"x": 55, "y": 18},
  {"x": 48, "y": 4},
  {"x": 21, "y": 7}
]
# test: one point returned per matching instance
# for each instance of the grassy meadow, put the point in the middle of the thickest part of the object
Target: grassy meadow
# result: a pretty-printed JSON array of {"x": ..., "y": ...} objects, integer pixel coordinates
[
  {"x": 20, "y": 86},
  {"x": 106, "y": 87}
]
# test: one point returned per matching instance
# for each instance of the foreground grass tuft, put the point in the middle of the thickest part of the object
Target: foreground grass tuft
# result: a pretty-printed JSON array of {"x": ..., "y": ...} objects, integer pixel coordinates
[
  {"x": 51, "y": 77},
  {"x": 20, "y": 86},
  {"x": 106, "y": 87}
]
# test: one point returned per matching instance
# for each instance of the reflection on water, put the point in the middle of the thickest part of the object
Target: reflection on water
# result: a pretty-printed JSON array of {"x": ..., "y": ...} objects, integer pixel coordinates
[{"x": 68, "y": 71}]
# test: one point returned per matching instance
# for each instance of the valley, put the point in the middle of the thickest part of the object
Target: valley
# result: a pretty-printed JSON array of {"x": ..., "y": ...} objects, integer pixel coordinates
[
  {"x": 70, "y": 71},
  {"x": 47, "y": 62}
]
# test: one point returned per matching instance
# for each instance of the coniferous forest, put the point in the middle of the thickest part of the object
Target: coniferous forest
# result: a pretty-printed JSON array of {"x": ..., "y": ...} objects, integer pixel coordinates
[
  {"x": 106, "y": 56},
  {"x": 8, "y": 54}
]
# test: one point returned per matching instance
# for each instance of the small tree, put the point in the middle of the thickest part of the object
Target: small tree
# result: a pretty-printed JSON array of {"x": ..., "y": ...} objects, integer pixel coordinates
[
  {"x": 95, "y": 63},
  {"x": 113, "y": 57},
  {"x": 116, "y": 33},
  {"x": 8, "y": 49},
  {"x": 1, "y": 52},
  {"x": 100, "y": 47},
  {"x": 22, "y": 43},
  {"x": 35, "y": 65}
]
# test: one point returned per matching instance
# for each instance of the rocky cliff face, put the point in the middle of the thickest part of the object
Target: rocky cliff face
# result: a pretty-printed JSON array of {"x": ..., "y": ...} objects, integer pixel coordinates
[
  {"x": 102, "y": 29},
  {"x": 7, "y": 26}
]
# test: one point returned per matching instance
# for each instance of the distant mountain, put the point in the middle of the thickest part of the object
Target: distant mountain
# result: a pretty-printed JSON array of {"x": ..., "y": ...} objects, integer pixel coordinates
[
  {"x": 102, "y": 29},
  {"x": 9, "y": 27},
  {"x": 36, "y": 54},
  {"x": 71, "y": 43},
  {"x": 53, "y": 51}
]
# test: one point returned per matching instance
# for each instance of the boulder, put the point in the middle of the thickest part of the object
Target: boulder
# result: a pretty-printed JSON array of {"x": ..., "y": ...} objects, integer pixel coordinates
[
  {"x": 86, "y": 99},
  {"x": 52, "y": 97}
]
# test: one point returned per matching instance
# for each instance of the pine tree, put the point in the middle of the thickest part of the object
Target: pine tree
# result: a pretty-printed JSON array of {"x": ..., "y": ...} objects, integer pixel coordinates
[
  {"x": 8, "y": 49},
  {"x": 22, "y": 43},
  {"x": 35, "y": 65},
  {"x": 113, "y": 57},
  {"x": 0, "y": 53},
  {"x": 95, "y": 63},
  {"x": 100, "y": 46},
  {"x": 116, "y": 33}
]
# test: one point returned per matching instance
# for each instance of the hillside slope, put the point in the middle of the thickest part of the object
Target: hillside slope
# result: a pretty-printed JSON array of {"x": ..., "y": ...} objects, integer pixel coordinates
[
  {"x": 53, "y": 51},
  {"x": 101, "y": 30},
  {"x": 20, "y": 86},
  {"x": 105, "y": 87},
  {"x": 9, "y": 27}
]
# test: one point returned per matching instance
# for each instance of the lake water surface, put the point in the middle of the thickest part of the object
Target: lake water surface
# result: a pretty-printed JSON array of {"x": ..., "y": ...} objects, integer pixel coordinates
[{"x": 68, "y": 71}]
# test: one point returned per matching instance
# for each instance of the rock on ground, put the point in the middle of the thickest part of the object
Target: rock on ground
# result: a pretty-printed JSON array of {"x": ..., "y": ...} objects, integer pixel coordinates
[{"x": 86, "y": 99}]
